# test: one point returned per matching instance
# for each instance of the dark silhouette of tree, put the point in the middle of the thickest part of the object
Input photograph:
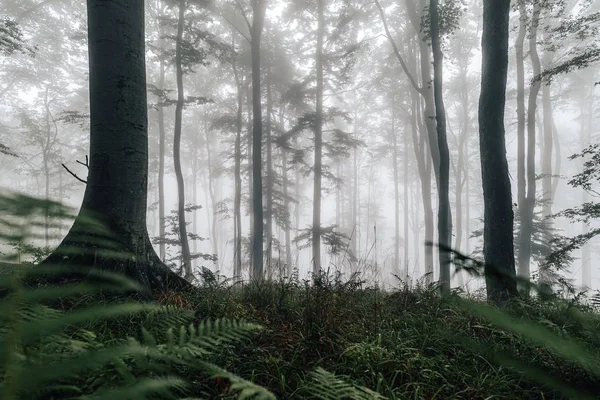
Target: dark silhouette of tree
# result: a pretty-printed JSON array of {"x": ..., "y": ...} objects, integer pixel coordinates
[
  {"x": 498, "y": 248},
  {"x": 116, "y": 190}
]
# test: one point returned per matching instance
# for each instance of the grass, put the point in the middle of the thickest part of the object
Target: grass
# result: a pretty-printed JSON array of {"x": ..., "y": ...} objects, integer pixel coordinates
[
  {"x": 329, "y": 338},
  {"x": 409, "y": 343}
]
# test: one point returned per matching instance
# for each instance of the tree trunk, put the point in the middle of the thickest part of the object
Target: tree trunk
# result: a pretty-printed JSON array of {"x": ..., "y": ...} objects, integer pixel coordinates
[
  {"x": 529, "y": 205},
  {"x": 286, "y": 201},
  {"x": 214, "y": 240},
  {"x": 318, "y": 168},
  {"x": 45, "y": 158},
  {"x": 258, "y": 12},
  {"x": 269, "y": 191},
  {"x": 444, "y": 213},
  {"x": 161, "y": 165},
  {"x": 406, "y": 188},
  {"x": 462, "y": 161},
  {"x": 520, "y": 58},
  {"x": 185, "y": 246},
  {"x": 250, "y": 140},
  {"x": 397, "y": 267},
  {"x": 498, "y": 247},
  {"x": 237, "y": 172},
  {"x": 587, "y": 120},
  {"x": 116, "y": 190}
]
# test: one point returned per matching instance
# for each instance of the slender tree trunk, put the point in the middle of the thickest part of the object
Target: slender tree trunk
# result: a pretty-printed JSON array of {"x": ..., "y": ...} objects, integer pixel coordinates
[
  {"x": 45, "y": 159},
  {"x": 258, "y": 15},
  {"x": 587, "y": 121},
  {"x": 161, "y": 165},
  {"x": 185, "y": 246},
  {"x": 529, "y": 206},
  {"x": 354, "y": 206},
  {"x": 250, "y": 140},
  {"x": 316, "y": 223},
  {"x": 397, "y": 267},
  {"x": 405, "y": 189},
  {"x": 547, "y": 177},
  {"x": 461, "y": 175},
  {"x": 237, "y": 202},
  {"x": 425, "y": 180},
  {"x": 269, "y": 191},
  {"x": 286, "y": 201},
  {"x": 444, "y": 212},
  {"x": 521, "y": 154},
  {"x": 214, "y": 239},
  {"x": 498, "y": 247}
]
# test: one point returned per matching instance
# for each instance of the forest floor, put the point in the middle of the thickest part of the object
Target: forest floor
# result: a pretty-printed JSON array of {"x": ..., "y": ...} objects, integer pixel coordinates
[{"x": 409, "y": 343}]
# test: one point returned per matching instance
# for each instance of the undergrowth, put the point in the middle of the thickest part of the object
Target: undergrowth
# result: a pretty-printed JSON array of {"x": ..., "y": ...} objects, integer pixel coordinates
[
  {"x": 408, "y": 343},
  {"x": 328, "y": 338}
]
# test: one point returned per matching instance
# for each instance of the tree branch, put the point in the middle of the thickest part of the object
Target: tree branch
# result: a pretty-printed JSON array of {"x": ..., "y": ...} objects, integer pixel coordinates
[
  {"x": 86, "y": 164},
  {"x": 413, "y": 82}
]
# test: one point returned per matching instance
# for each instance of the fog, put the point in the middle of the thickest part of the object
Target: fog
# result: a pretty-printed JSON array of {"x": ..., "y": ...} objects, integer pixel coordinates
[{"x": 378, "y": 169}]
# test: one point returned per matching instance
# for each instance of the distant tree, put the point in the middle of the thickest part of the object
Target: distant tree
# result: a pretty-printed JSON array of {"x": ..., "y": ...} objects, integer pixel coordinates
[
  {"x": 12, "y": 40},
  {"x": 444, "y": 213},
  {"x": 498, "y": 249},
  {"x": 116, "y": 190},
  {"x": 585, "y": 213}
]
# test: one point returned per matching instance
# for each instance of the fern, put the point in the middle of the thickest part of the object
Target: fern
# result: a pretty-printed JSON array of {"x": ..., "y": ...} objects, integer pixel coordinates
[{"x": 327, "y": 386}]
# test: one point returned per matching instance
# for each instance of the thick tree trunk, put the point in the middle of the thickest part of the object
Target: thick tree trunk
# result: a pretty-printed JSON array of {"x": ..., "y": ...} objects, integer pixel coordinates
[
  {"x": 529, "y": 205},
  {"x": 498, "y": 247},
  {"x": 444, "y": 212},
  {"x": 116, "y": 191},
  {"x": 258, "y": 12},
  {"x": 185, "y": 246},
  {"x": 318, "y": 168}
]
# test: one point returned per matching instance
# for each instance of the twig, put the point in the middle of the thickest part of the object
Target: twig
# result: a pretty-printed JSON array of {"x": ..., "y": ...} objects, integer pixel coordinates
[{"x": 86, "y": 164}]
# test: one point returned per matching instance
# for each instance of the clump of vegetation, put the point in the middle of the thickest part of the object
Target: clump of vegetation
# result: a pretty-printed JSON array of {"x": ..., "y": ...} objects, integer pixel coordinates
[{"x": 409, "y": 343}]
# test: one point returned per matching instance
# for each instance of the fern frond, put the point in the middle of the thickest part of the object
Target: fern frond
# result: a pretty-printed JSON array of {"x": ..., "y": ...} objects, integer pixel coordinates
[
  {"x": 145, "y": 388},
  {"x": 327, "y": 386},
  {"x": 244, "y": 389}
]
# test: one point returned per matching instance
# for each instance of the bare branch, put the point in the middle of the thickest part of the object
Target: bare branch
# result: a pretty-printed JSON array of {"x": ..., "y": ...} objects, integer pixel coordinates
[
  {"x": 74, "y": 175},
  {"x": 413, "y": 82}
]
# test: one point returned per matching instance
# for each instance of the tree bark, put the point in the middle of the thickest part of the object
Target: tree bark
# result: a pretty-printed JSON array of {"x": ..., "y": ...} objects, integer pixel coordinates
[
  {"x": 318, "y": 168},
  {"x": 498, "y": 247},
  {"x": 161, "y": 165},
  {"x": 521, "y": 154},
  {"x": 258, "y": 12},
  {"x": 185, "y": 246},
  {"x": 214, "y": 240},
  {"x": 529, "y": 205},
  {"x": 237, "y": 172},
  {"x": 269, "y": 191},
  {"x": 444, "y": 212},
  {"x": 397, "y": 267},
  {"x": 116, "y": 191}
]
